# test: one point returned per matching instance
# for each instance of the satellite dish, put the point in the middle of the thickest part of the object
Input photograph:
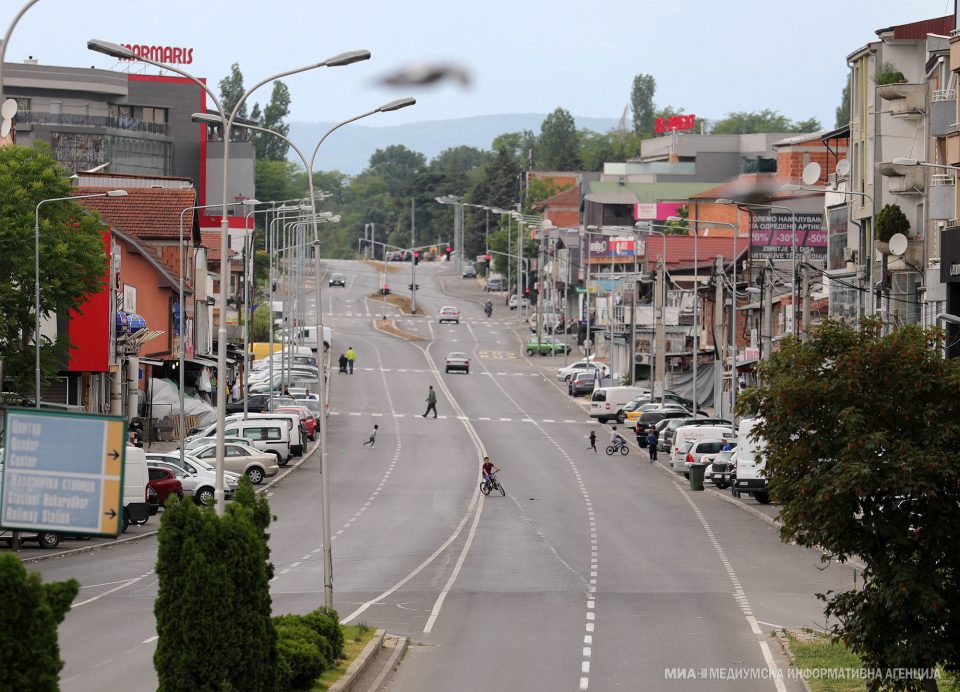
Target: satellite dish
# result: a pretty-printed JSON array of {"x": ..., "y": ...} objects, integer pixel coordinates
[
  {"x": 843, "y": 168},
  {"x": 5, "y": 127},
  {"x": 811, "y": 173},
  {"x": 898, "y": 244},
  {"x": 8, "y": 109}
]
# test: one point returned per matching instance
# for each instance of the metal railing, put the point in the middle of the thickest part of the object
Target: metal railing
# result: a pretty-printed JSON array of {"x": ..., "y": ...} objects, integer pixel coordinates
[{"x": 78, "y": 120}]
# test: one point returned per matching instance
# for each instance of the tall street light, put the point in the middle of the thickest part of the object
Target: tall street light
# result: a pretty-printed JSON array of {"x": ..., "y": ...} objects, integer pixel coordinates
[
  {"x": 118, "y": 51},
  {"x": 394, "y": 105},
  {"x": 659, "y": 360},
  {"x": 36, "y": 271},
  {"x": 6, "y": 39}
]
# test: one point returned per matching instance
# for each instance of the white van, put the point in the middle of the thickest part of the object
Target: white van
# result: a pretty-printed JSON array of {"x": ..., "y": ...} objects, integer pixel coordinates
[
  {"x": 495, "y": 282},
  {"x": 688, "y": 433},
  {"x": 266, "y": 435},
  {"x": 750, "y": 463},
  {"x": 298, "y": 434},
  {"x": 308, "y": 337},
  {"x": 136, "y": 509},
  {"x": 607, "y": 402}
]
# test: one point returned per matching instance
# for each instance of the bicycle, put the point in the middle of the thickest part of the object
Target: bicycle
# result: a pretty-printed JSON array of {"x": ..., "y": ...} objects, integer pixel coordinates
[
  {"x": 621, "y": 446},
  {"x": 491, "y": 485}
]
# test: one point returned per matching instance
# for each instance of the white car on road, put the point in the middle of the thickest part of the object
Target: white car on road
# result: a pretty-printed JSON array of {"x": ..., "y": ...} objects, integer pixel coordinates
[{"x": 565, "y": 374}]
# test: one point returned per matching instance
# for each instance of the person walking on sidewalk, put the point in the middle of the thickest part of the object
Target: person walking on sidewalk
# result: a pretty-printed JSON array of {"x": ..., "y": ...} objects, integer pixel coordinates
[
  {"x": 431, "y": 402},
  {"x": 593, "y": 442},
  {"x": 373, "y": 437},
  {"x": 351, "y": 356},
  {"x": 652, "y": 441}
]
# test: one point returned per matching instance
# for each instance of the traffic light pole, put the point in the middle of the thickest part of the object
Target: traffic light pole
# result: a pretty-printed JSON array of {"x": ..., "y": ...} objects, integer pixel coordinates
[{"x": 413, "y": 261}]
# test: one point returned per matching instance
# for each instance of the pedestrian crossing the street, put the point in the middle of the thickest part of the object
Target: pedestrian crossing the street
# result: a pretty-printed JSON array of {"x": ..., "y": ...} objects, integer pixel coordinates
[{"x": 436, "y": 372}]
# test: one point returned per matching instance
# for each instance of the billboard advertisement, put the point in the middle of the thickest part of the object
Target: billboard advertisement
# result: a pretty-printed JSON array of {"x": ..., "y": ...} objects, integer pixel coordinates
[{"x": 772, "y": 236}]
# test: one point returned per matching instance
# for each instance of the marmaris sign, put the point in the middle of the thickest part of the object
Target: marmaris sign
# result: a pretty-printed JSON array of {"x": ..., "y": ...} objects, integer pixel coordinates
[
  {"x": 676, "y": 122},
  {"x": 167, "y": 54}
]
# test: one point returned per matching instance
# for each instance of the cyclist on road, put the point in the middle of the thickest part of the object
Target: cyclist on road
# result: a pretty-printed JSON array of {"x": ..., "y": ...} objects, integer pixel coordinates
[
  {"x": 489, "y": 468},
  {"x": 616, "y": 439}
]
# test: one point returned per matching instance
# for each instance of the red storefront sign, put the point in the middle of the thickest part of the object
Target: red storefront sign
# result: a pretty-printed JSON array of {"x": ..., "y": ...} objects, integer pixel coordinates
[
  {"x": 676, "y": 122},
  {"x": 168, "y": 54}
]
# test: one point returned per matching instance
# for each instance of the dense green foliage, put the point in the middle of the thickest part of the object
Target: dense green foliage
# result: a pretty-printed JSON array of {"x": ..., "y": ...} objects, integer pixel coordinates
[
  {"x": 270, "y": 147},
  {"x": 559, "y": 146},
  {"x": 843, "y": 110},
  {"x": 29, "y": 618},
  {"x": 862, "y": 432},
  {"x": 231, "y": 91},
  {"x": 743, "y": 123},
  {"x": 213, "y": 600},
  {"x": 890, "y": 221},
  {"x": 73, "y": 261},
  {"x": 887, "y": 73},
  {"x": 307, "y": 645},
  {"x": 641, "y": 104}
]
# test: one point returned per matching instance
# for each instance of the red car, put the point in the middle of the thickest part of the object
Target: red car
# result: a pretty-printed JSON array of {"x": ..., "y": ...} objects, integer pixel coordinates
[
  {"x": 164, "y": 483},
  {"x": 308, "y": 424}
]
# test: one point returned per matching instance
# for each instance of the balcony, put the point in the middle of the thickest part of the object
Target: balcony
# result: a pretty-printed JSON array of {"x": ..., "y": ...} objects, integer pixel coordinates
[
  {"x": 904, "y": 180},
  {"x": 953, "y": 148},
  {"x": 943, "y": 112},
  {"x": 942, "y": 196},
  {"x": 955, "y": 50},
  {"x": 97, "y": 122},
  {"x": 906, "y": 100}
]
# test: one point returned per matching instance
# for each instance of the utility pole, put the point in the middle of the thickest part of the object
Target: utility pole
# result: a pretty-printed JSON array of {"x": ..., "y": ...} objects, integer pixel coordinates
[
  {"x": 540, "y": 260},
  {"x": 718, "y": 351},
  {"x": 805, "y": 288},
  {"x": 633, "y": 316},
  {"x": 767, "y": 341},
  {"x": 413, "y": 259},
  {"x": 660, "y": 355}
]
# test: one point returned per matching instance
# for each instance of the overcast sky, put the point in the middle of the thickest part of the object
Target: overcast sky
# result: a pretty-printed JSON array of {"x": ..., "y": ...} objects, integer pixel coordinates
[{"x": 525, "y": 56}]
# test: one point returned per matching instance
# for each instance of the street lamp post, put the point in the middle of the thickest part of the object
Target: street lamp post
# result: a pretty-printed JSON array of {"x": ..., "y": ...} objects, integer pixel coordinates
[
  {"x": 394, "y": 105},
  {"x": 36, "y": 269},
  {"x": 118, "y": 51},
  {"x": 659, "y": 361},
  {"x": 6, "y": 39}
]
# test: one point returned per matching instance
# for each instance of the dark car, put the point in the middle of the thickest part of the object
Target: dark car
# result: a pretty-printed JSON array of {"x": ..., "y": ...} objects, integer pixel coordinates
[
  {"x": 164, "y": 483},
  {"x": 469, "y": 272},
  {"x": 648, "y": 418},
  {"x": 256, "y": 403},
  {"x": 666, "y": 436},
  {"x": 337, "y": 279},
  {"x": 582, "y": 383}
]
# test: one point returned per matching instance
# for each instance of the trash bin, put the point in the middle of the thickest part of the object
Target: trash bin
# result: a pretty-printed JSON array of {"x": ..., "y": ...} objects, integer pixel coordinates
[{"x": 697, "y": 472}]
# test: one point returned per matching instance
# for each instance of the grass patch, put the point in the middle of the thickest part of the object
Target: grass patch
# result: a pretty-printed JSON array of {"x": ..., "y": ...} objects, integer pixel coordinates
[
  {"x": 383, "y": 266},
  {"x": 355, "y": 638},
  {"x": 403, "y": 303},
  {"x": 814, "y": 652}
]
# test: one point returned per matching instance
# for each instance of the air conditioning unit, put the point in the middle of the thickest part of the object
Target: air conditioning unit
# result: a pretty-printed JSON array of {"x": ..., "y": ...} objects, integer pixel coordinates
[{"x": 849, "y": 254}]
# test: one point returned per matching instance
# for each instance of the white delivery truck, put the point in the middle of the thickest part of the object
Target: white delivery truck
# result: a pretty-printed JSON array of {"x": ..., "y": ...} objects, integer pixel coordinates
[{"x": 751, "y": 477}]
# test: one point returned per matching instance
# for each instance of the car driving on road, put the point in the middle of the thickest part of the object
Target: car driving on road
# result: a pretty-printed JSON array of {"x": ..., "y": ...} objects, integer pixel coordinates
[
  {"x": 337, "y": 279},
  {"x": 564, "y": 374},
  {"x": 546, "y": 345},
  {"x": 448, "y": 313},
  {"x": 458, "y": 361}
]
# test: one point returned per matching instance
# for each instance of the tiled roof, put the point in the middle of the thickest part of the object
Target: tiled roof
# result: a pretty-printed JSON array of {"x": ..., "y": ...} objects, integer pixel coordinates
[
  {"x": 680, "y": 250},
  {"x": 145, "y": 213},
  {"x": 211, "y": 241},
  {"x": 565, "y": 198}
]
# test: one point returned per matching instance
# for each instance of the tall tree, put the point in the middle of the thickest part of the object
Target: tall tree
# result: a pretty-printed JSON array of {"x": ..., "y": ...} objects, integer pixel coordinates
[
  {"x": 231, "y": 89},
  {"x": 559, "y": 146},
  {"x": 766, "y": 120},
  {"x": 269, "y": 147},
  {"x": 843, "y": 110},
  {"x": 73, "y": 261},
  {"x": 864, "y": 467},
  {"x": 641, "y": 104}
]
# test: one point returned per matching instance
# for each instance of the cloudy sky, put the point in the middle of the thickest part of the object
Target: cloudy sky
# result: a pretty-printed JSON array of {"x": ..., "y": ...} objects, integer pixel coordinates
[{"x": 524, "y": 56}]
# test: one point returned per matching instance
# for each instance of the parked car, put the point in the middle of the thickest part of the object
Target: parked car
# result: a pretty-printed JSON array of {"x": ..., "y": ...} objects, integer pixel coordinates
[
  {"x": 312, "y": 405},
  {"x": 165, "y": 483},
  {"x": 198, "y": 442},
  {"x": 703, "y": 451},
  {"x": 337, "y": 279},
  {"x": 469, "y": 272},
  {"x": 255, "y": 404},
  {"x": 565, "y": 373},
  {"x": 723, "y": 469},
  {"x": 667, "y": 433},
  {"x": 546, "y": 345},
  {"x": 448, "y": 313},
  {"x": 682, "y": 453},
  {"x": 308, "y": 424},
  {"x": 582, "y": 383},
  {"x": 648, "y": 418},
  {"x": 512, "y": 301},
  {"x": 458, "y": 361},
  {"x": 197, "y": 478},
  {"x": 253, "y": 463}
]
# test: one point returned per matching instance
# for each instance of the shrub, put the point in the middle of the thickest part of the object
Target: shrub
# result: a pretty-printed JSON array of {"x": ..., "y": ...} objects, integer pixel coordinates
[
  {"x": 890, "y": 221},
  {"x": 300, "y": 654},
  {"x": 28, "y": 627},
  {"x": 887, "y": 73},
  {"x": 327, "y": 623}
]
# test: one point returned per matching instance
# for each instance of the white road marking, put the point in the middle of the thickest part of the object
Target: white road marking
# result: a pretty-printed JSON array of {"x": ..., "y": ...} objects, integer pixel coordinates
[
  {"x": 129, "y": 582},
  {"x": 151, "y": 639}
]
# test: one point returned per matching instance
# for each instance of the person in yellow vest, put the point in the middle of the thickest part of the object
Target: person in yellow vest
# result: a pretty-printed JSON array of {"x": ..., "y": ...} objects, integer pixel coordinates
[{"x": 351, "y": 356}]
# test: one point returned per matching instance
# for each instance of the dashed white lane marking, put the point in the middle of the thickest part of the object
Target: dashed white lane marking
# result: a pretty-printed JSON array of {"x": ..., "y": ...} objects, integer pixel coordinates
[
  {"x": 123, "y": 585},
  {"x": 739, "y": 596}
]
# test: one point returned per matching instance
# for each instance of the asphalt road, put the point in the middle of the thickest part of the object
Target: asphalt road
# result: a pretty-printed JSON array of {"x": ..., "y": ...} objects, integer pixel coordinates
[{"x": 593, "y": 572}]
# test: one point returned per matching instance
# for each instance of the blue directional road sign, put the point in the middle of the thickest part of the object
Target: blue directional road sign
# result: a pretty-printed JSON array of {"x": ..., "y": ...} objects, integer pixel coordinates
[{"x": 63, "y": 472}]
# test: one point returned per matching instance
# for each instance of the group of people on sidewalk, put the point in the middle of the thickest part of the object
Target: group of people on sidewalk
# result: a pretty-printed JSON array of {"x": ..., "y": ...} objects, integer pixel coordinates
[
  {"x": 346, "y": 360},
  {"x": 647, "y": 438}
]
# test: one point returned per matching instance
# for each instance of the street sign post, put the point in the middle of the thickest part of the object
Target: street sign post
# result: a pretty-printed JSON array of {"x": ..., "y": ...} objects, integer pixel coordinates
[{"x": 63, "y": 472}]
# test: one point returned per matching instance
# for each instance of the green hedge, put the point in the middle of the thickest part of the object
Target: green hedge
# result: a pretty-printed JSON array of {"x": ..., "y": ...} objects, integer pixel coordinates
[{"x": 29, "y": 618}]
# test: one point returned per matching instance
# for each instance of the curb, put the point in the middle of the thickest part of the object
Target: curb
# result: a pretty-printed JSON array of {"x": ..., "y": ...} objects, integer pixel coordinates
[
  {"x": 360, "y": 664},
  {"x": 788, "y": 654},
  {"x": 399, "y": 649}
]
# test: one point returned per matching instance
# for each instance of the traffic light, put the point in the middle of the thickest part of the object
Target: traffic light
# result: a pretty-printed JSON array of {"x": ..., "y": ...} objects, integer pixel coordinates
[
  {"x": 487, "y": 258},
  {"x": 447, "y": 251},
  {"x": 416, "y": 258}
]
